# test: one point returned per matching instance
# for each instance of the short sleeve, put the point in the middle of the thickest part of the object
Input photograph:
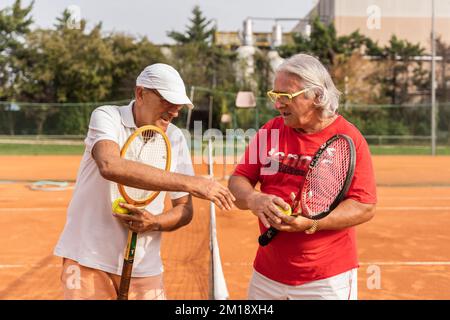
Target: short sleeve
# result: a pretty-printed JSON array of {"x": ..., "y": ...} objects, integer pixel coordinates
[
  {"x": 363, "y": 187},
  {"x": 102, "y": 126},
  {"x": 250, "y": 164},
  {"x": 184, "y": 164}
]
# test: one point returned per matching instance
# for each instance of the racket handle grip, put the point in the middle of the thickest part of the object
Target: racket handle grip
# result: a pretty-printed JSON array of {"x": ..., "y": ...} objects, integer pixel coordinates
[
  {"x": 267, "y": 236},
  {"x": 124, "y": 286}
]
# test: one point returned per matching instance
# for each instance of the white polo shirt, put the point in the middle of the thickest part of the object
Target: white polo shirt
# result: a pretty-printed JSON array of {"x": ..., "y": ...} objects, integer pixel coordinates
[{"x": 92, "y": 236}]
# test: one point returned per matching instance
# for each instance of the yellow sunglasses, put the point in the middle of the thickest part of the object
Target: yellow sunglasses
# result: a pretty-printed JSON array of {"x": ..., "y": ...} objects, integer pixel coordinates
[{"x": 282, "y": 97}]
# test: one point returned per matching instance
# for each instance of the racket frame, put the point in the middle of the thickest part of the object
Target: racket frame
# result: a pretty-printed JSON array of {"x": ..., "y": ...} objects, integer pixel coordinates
[
  {"x": 136, "y": 133},
  {"x": 348, "y": 179}
]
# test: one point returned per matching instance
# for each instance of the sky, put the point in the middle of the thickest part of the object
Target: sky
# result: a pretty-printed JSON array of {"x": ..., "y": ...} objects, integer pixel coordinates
[{"x": 155, "y": 18}]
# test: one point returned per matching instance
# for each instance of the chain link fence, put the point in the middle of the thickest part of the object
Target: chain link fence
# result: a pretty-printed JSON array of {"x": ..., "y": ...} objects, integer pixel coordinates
[{"x": 408, "y": 125}]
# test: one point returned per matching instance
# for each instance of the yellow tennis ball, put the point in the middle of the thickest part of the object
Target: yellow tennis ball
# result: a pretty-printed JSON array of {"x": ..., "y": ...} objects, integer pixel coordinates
[
  {"x": 118, "y": 209},
  {"x": 287, "y": 212}
]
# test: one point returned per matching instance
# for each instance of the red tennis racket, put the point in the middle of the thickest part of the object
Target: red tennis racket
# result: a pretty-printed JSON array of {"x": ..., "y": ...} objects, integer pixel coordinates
[{"x": 326, "y": 182}]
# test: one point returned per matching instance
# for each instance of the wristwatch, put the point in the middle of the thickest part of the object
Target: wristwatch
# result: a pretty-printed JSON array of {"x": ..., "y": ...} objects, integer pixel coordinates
[{"x": 313, "y": 228}]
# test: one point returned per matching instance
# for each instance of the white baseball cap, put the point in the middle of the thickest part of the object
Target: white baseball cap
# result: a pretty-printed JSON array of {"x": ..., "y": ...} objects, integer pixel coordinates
[{"x": 167, "y": 81}]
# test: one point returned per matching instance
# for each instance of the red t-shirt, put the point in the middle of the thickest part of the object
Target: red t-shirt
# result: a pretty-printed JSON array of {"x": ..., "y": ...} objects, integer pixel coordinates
[{"x": 294, "y": 258}]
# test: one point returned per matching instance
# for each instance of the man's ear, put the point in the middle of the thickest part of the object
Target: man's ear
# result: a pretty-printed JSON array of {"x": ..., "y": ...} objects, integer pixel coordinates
[
  {"x": 317, "y": 95},
  {"x": 138, "y": 91}
]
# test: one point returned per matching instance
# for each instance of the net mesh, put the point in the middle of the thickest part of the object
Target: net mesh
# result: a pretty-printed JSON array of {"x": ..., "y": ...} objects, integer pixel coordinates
[{"x": 326, "y": 179}]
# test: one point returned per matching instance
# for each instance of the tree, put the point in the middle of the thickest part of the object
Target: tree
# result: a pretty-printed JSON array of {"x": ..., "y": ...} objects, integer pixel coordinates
[
  {"x": 368, "y": 73},
  {"x": 199, "y": 31},
  {"x": 443, "y": 92},
  {"x": 443, "y": 50},
  {"x": 353, "y": 76},
  {"x": 325, "y": 44},
  {"x": 130, "y": 57},
  {"x": 65, "y": 65},
  {"x": 398, "y": 72},
  {"x": 202, "y": 64},
  {"x": 402, "y": 72},
  {"x": 15, "y": 24},
  {"x": 196, "y": 56}
]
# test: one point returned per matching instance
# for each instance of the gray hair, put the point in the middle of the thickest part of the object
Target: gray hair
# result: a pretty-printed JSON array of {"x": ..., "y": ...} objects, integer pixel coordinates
[{"x": 315, "y": 77}]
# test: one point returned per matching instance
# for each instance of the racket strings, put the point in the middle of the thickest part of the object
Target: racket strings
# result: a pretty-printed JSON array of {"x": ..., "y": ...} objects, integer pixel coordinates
[
  {"x": 149, "y": 148},
  {"x": 324, "y": 182}
]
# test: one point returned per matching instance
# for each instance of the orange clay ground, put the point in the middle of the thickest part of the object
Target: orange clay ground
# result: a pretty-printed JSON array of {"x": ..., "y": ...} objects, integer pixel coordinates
[{"x": 407, "y": 242}]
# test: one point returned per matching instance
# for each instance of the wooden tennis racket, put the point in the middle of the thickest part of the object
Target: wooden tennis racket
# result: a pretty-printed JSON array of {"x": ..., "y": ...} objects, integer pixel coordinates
[
  {"x": 151, "y": 146},
  {"x": 326, "y": 182}
]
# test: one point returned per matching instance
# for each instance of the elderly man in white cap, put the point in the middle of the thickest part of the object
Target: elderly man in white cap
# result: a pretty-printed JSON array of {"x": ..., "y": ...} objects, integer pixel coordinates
[{"x": 94, "y": 239}]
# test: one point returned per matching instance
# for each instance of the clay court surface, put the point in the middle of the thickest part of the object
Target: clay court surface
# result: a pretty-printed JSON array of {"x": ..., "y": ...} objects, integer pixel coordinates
[{"x": 408, "y": 241}]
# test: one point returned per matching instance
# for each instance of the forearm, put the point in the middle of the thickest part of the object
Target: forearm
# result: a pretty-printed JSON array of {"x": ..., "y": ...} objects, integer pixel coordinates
[
  {"x": 347, "y": 214},
  {"x": 141, "y": 176},
  {"x": 175, "y": 218},
  {"x": 112, "y": 167},
  {"x": 242, "y": 190}
]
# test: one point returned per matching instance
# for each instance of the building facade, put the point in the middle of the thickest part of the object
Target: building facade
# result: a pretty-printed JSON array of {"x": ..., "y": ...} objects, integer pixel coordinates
[{"x": 380, "y": 19}]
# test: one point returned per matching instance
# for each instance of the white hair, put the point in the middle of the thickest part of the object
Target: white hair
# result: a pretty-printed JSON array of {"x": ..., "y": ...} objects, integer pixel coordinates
[{"x": 316, "y": 78}]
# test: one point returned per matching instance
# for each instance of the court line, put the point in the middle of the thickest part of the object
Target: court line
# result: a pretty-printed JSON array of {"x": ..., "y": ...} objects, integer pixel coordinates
[
  {"x": 18, "y": 210},
  {"x": 378, "y": 263},
  {"x": 437, "y": 185},
  {"x": 406, "y": 263},
  {"x": 415, "y": 198},
  {"x": 13, "y": 266},
  {"x": 21, "y": 199},
  {"x": 27, "y": 181},
  {"x": 424, "y": 208},
  {"x": 228, "y": 264}
]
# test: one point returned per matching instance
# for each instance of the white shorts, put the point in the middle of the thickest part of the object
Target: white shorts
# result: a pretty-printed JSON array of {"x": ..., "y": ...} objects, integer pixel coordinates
[{"x": 343, "y": 286}]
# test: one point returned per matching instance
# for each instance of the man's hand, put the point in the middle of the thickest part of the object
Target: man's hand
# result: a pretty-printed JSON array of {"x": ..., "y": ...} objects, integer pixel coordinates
[
  {"x": 264, "y": 206},
  {"x": 292, "y": 223},
  {"x": 212, "y": 190},
  {"x": 138, "y": 220}
]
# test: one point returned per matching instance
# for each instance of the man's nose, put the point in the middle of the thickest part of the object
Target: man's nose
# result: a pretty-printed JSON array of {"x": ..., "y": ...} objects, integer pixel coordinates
[
  {"x": 173, "y": 113},
  {"x": 278, "y": 105}
]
